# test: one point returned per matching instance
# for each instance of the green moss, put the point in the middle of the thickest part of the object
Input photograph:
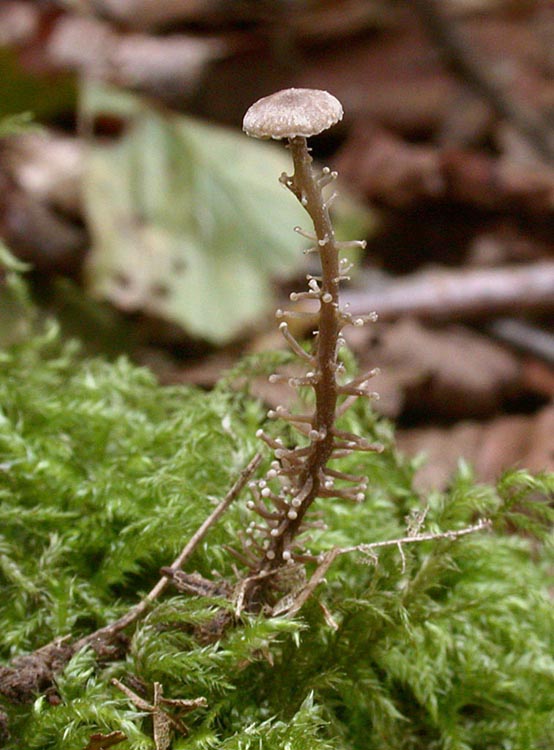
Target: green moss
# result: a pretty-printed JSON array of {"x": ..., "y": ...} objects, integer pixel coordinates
[{"x": 103, "y": 477}]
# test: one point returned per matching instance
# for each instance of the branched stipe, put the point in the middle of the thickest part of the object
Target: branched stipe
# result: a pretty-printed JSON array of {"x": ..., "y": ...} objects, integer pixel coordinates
[{"x": 301, "y": 474}]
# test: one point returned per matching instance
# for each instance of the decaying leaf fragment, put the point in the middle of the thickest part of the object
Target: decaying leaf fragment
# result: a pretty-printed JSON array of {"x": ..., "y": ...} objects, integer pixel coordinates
[
  {"x": 187, "y": 223},
  {"x": 101, "y": 741}
]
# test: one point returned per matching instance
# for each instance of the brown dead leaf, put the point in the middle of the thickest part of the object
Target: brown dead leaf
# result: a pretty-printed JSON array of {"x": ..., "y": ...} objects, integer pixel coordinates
[
  {"x": 538, "y": 377},
  {"x": 169, "y": 66},
  {"x": 323, "y": 19},
  {"x": 38, "y": 235},
  {"x": 496, "y": 184},
  {"x": 387, "y": 169},
  {"x": 152, "y": 13},
  {"x": 396, "y": 78},
  {"x": 398, "y": 174},
  {"x": 337, "y": 19},
  {"x": 490, "y": 447},
  {"x": 100, "y": 741},
  {"x": 451, "y": 372}
]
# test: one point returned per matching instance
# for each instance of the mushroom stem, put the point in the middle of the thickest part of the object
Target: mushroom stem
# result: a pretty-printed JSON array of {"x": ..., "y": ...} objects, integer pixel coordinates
[
  {"x": 308, "y": 190},
  {"x": 301, "y": 472}
]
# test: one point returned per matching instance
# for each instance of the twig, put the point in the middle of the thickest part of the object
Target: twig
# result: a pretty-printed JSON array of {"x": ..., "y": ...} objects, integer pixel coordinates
[
  {"x": 524, "y": 336},
  {"x": 302, "y": 597},
  {"x": 116, "y": 627},
  {"x": 291, "y": 605},
  {"x": 485, "y": 523},
  {"x": 33, "y": 673},
  {"x": 464, "y": 61},
  {"x": 446, "y": 295},
  {"x": 164, "y": 721},
  {"x": 245, "y": 584}
]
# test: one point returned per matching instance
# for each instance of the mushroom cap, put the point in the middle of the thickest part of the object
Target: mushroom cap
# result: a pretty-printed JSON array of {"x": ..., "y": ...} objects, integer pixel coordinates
[{"x": 292, "y": 112}]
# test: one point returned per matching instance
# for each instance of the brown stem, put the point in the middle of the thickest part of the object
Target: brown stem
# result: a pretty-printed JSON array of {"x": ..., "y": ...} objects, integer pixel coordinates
[
  {"x": 308, "y": 190},
  {"x": 310, "y": 194}
]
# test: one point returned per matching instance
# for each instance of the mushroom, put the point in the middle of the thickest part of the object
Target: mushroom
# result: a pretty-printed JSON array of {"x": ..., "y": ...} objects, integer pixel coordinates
[
  {"x": 292, "y": 113},
  {"x": 295, "y": 115}
]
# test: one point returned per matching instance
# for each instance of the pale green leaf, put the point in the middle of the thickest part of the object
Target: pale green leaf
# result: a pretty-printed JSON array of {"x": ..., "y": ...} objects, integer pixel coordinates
[{"x": 189, "y": 223}]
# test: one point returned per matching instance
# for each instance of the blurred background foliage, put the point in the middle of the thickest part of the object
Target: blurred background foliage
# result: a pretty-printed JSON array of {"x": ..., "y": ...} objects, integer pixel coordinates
[
  {"x": 151, "y": 225},
  {"x": 165, "y": 216},
  {"x": 188, "y": 220}
]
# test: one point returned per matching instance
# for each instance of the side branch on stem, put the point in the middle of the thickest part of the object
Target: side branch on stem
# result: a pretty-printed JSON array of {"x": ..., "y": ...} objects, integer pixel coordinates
[{"x": 292, "y": 604}]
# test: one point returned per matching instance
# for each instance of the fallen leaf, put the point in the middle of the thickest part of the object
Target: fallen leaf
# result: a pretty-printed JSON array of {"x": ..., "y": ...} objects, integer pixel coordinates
[
  {"x": 101, "y": 741},
  {"x": 189, "y": 222},
  {"x": 451, "y": 372},
  {"x": 490, "y": 447}
]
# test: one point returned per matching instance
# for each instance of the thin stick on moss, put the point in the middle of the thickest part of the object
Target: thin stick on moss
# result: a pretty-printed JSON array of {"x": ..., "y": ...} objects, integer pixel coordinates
[
  {"x": 481, "y": 525},
  {"x": 33, "y": 673},
  {"x": 290, "y": 605},
  {"x": 109, "y": 631}
]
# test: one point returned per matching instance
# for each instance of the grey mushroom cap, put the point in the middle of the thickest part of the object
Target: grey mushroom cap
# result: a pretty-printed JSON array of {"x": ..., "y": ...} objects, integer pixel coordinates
[{"x": 291, "y": 113}]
